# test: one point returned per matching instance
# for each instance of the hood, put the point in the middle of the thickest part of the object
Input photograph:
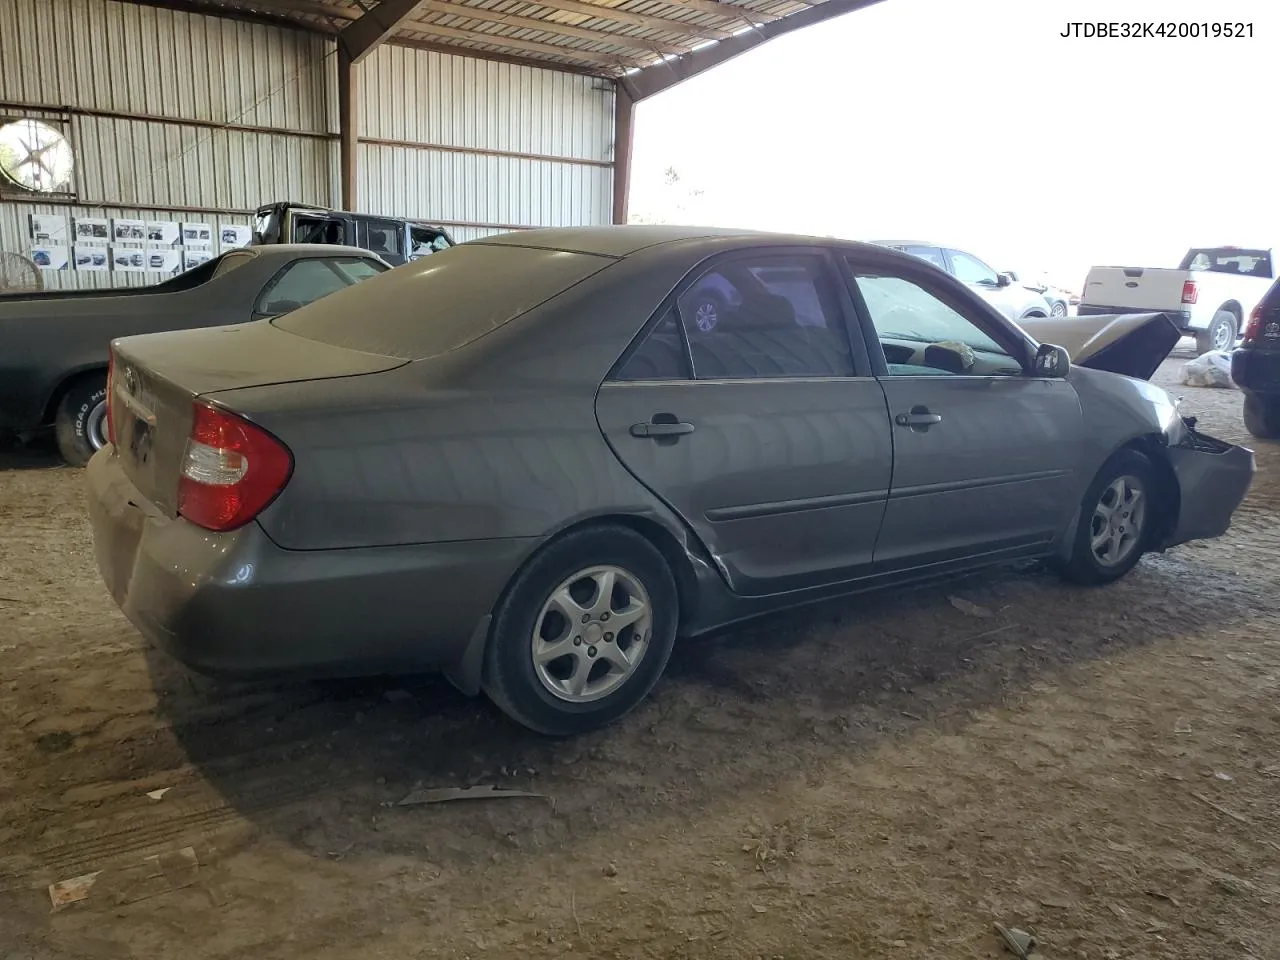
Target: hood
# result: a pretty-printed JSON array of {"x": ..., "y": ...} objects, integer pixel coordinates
[{"x": 1130, "y": 344}]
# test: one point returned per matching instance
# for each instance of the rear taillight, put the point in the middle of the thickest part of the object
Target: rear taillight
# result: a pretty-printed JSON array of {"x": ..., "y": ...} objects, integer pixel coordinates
[
  {"x": 1253, "y": 329},
  {"x": 1189, "y": 291},
  {"x": 231, "y": 470},
  {"x": 111, "y": 390}
]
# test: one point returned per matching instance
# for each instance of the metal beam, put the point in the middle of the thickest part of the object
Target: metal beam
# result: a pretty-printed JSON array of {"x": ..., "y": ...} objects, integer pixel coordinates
[
  {"x": 348, "y": 118},
  {"x": 474, "y": 53},
  {"x": 623, "y": 140},
  {"x": 676, "y": 27},
  {"x": 360, "y": 37},
  {"x": 595, "y": 35},
  {"x": 647, "y": 81},
  {"x": 527, "y": 46}
]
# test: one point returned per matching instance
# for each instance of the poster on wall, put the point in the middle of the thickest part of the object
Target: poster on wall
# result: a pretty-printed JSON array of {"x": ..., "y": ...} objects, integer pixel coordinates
[
  {"x": 128, "y": 231},
  {"x": 234, "y": 236},
  {"x": 47, "y": 229},
  {"x": 128, "y": 260},
  {"x": 163, "y": 232},
  {"x": 92, "y": 230},
  {"x": 50, "y": 257},
  {"x": 193, "y": 258},
  {"x": 197, "y": 234},
  {"x": 164, "y": 261},
  {"x": 91, "y": 258}
]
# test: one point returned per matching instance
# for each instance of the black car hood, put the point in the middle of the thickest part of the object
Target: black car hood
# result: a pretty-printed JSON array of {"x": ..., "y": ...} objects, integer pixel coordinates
[{"x": 1130, "y": 344}]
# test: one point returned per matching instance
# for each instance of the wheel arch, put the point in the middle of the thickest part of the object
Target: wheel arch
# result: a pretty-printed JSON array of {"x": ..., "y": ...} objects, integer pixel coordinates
[
  {"x": 1233, "y": 307},
  {"x": 468, "y": 673},
  {"x": 68, "y": 381},
  {"x": 1154, "y": 447}
]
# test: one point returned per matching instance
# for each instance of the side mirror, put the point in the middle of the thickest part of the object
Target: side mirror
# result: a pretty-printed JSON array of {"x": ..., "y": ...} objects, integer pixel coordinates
[
  {"x": 1052, "y": 361},
  {"x": 1004, "y": 279}
]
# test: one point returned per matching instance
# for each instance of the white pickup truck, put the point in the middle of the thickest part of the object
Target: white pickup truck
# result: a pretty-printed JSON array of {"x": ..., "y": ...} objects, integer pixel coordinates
[{"x": 1209, "y": 295}]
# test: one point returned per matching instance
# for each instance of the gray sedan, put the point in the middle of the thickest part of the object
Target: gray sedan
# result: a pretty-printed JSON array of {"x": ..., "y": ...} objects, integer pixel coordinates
[{"x": 523, "y": 461}]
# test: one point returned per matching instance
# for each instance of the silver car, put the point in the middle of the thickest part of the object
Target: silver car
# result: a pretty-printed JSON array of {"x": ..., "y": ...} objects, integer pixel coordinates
[
  {"x": 530, "y": 462},
  {"x": 1001, "y": 290}
]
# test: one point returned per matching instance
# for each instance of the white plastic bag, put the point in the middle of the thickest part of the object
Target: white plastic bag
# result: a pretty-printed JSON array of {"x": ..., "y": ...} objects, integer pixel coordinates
[{"x": 1212, "y": 369}]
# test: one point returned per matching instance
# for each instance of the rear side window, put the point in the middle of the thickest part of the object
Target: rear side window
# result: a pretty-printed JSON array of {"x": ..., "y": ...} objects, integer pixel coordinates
[
  {"x": 440, "y": 303},
  {"x": 1233, "y": 260},
  {"x": 305, "y": 281},
  {"x": 662, "y": 355},
  {"x": 766, "y": 317}
]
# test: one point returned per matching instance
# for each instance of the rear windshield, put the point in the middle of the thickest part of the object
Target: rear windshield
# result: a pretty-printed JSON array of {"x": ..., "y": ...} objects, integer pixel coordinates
[
  {"x": 1247, "y": 263},
  {"x": 439, "y": 303}
]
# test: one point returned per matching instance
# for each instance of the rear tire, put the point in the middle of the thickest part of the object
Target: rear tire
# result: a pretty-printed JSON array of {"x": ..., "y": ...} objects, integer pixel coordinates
[
  {"x": 557, "y": 662},
  {"x": 1058, "y": 309},
  {"x": 1220, "y": 334},
  {"x": 80, "y": 423},
  {"x": 1262, "y": 416},
  {"x": 1114, "y": 529}
]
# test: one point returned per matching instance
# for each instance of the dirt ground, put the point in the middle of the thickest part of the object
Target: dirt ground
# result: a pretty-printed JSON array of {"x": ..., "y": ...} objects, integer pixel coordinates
[{"x": 885, "y": 777}]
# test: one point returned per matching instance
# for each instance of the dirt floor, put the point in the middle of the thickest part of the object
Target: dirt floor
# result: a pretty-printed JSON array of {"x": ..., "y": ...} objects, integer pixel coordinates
[{"x": 884, "y": 777}]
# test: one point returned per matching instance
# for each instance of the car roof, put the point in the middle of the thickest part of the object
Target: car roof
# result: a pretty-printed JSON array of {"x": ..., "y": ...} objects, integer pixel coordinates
[
  {"x": 624, "y": 240},
  {"x": 307, "y": 250}
]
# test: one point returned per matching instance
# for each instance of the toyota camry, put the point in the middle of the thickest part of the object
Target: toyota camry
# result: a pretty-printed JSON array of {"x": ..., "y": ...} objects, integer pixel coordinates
[{"x": 536, "y": 460}]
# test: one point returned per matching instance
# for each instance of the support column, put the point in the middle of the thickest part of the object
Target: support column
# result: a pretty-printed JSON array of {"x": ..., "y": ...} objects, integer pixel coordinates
[
  {"x": 623, "y": 139},
  {"x": 347, "y": 120}
]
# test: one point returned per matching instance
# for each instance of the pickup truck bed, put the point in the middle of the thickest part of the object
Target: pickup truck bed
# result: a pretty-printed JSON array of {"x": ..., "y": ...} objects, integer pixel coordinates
[{"x": 1208, "y": 295}]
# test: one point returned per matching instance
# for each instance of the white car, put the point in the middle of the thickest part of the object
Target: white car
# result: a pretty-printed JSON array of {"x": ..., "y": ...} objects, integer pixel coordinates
[
  {"x": 1001, "y": 290},
  {"x": 1209, "y": 295}
]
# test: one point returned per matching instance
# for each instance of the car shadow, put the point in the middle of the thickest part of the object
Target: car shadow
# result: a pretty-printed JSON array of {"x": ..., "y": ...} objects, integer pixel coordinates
[
  {"x": 324, "y": 765},
  {"x": 38, "y": 453}
]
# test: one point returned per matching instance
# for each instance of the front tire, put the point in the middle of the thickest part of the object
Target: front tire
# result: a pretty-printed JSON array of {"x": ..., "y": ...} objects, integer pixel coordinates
[
  {"x": 1058, "y": 310},
  {"x": 1220, "y": 334},
  {"x": 1262, "y": 416},
  {"x": 1117, "y": 514},
  {"x": 583, "y": 632},
  {"x": 80, "y": 423}
]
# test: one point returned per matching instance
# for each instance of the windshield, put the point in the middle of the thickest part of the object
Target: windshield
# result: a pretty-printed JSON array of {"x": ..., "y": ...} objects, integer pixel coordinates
[
  {"x": 440, "y": 303},
  {"x": 1248, "y": 263}
]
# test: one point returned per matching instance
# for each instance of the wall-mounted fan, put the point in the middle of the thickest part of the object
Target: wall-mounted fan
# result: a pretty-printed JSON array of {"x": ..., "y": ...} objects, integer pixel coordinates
[{"x": 35, "y": 156}]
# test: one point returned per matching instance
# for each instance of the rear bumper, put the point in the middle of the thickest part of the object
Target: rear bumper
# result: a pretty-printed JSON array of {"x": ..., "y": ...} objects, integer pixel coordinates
[
  {"x": 1213, "y": 478},
  {"x": 1181, "y": 318},
  {"x": 237, "y": 605},
  {"x": 1256, "y": 370}
]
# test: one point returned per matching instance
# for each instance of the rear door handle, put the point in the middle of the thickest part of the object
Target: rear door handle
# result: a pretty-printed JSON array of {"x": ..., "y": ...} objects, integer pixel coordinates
[
  {"x": 659, "y": 428},
  {"x": 918, "y": 417}
]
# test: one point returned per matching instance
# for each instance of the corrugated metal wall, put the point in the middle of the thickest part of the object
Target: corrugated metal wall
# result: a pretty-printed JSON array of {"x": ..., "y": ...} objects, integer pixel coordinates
[
  {"x": 116, "y": 58},
  {"x": 220, "y": 116},
  {"x": 460, "y": 140}
]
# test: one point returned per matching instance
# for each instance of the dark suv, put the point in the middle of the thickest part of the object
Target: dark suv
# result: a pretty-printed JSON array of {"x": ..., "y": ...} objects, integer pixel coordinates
[{"x": 1255, "y": 367}]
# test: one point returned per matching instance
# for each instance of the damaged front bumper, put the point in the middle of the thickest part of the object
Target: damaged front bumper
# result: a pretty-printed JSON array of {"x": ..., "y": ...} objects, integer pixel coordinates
[{"x": 1213, "y": 477}]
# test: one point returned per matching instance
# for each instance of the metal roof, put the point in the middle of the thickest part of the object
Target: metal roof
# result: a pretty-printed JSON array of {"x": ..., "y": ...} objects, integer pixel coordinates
[{"x": 629, "y": 40}]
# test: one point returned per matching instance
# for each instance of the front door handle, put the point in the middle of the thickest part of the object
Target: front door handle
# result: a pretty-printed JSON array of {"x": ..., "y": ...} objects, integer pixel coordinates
[
  {"x": 661, "y": 428},
  {"x": 918, "y": 418}
]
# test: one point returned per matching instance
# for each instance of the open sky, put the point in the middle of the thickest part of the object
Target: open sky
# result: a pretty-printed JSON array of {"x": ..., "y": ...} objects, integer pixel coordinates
[{"x": 974, "y": 123}]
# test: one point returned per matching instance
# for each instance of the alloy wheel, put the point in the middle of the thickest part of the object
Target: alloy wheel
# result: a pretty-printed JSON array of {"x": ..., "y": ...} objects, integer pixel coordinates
[
  {"x": 591, "y": 634},
  {"x": 1118, "y": 522}
]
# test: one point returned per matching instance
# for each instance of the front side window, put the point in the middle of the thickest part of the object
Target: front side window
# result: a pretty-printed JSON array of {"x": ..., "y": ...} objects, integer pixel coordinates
[
  {"x": 768, "y": 316},
  {"x": 970, "y": 269},
  {"x": 304, "y": 281},
  {"x": 922, "y": 336}
]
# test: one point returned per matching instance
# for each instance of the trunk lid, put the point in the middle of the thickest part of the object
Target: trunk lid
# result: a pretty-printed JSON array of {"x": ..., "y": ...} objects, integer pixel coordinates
[
  {"x": 156, "y": 377},
  {"x": 1138, "y": 288}
]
